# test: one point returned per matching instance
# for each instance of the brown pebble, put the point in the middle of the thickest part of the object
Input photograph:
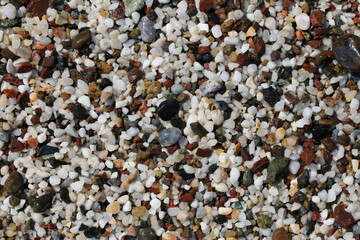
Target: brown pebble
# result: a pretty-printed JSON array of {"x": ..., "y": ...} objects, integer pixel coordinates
[
  {"x": 16, "y": 145},
  {"x": 317, "y": 18},
  {"x": 48, "y": 61},
  {"x": 259, "y": 47},
  {"x": 275, "y": 55},
  {"x": 343, "y": 218},
  {"x": 307, "y": 156},
  {"x": 45, "y": 73},
  {"x": 24, "y": 68},
  {"x": 37, "y": 8},
  {"x": 315, "y": 43},
  {"x": 243, "y": 59},
  {"x": 205, "y": 5},
  {"x": 81, "y": 39},
  {"x": 280, "y": 234},
  {"x": 329, "y": 144},
  {"x": 260, "y": 165},
  {"x": 203, "y": 152},
  {"x": 134, "y": 75}
]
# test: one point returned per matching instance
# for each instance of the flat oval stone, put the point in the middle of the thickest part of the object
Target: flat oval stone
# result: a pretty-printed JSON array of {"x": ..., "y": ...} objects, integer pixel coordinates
[
  {"x": 168, "y": 109},
  {"x": 169, "y": 136},
  {"x": 280, "y": 234},
  {"x": 81, "y": 39},
  {"x": 347, "y": 51},
  {"x": 13, "y": 183}
]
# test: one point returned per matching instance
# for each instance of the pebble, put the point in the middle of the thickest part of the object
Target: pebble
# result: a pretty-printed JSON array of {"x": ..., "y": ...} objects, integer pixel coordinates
[
  {"x": 81, "y": 39},
  {"x": 47, "y": 150},
  {"x": 113, "y": 208},
  {"x": 139, "y": 211},
  {"x": 343, "y": 218},
  {"x": 135, "y": 74},
  {"x": 146, "y": 234},
  {"x": 37, "y": 7},
  {"x": 169, "y": 136},
  {"x": 210, "y": 88},
  {"x": 9, "y": 11},
  {"x": 177, "y": 89},
  {"x": 302, "y": 21},
  {"x": 42, "y": 203},
  {"x": 14, "y": 183},
  {"x": 264, "y": 221},
  {"x": 168, "y": 109},
  {"x": 133, "y": 6},
  {"x": 346, "y": 50},
  {"x": 147, "y": 30},
  {"x": 277, "y": 169},
  {"x": 79, "y": 112}
]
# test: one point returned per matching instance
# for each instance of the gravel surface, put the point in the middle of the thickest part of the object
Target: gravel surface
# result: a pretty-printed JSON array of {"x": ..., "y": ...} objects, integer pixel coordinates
[{"x": 192, "y": 119}]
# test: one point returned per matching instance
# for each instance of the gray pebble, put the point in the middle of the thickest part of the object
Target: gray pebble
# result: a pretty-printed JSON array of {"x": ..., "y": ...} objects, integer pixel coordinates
[
  {"x": 5, "y": 136},
  {"x": 177, "y": 89},
  {"x": 210, "y": 88},
  {"x": 169, "y": 136},
  {"x": 133, "y": 6},
  {"x": 147, "y": 29},
  {"x": 200, "y": 212}
]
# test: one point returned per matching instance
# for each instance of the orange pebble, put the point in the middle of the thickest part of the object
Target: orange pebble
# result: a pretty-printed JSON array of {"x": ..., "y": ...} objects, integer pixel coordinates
[
  {"x": 299, "y": 35},
  {"x": 284, "y": 13}
]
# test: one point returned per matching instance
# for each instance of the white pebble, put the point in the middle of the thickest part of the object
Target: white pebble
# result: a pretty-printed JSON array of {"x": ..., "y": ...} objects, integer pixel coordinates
[
  {"x": 54, "y": 180},
  {"x": 9, "y": 11},
  {"x": 302, "y": 21}
]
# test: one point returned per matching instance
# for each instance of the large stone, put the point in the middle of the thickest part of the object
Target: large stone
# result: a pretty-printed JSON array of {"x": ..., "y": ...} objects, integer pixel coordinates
[
  {"x": 169, "y": 136},
  {"x": 346, "y": 50},
  {"x": 343, "y": 218},
  {"x": 277, "y": 169},
  {"x": 147, "y": 30},
  {"x": 14, "y": 183},
  {"x": 133, "y": 6},
  {"x": 81, "y": 39}
]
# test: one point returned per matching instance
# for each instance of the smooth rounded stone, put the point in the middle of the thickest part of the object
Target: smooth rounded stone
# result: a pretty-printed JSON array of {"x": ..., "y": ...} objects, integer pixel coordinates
[
  {"x": 9, "y": 11},
  {"x": 280, "y": 234},
  {"x": 14, "y": 200},
  {"x": 132, "y": 6},
  {"x": 303, "y": 21},
  {"x": 146, "y": 234},
  {"x": 168, "y": 109},
  {"x": 210, "y": 88},
  {"x": 42, "y": 203},
  {"x": 169, "y": 136},
  {"x": 147, "y": 30},
  {"x": 81, "y": 39},
  {"x": 14, "y": 183},
  {"x": 346, "y": 50},
  {"x": 177, "y": 89},
  {"x": 139, "y": 211}
]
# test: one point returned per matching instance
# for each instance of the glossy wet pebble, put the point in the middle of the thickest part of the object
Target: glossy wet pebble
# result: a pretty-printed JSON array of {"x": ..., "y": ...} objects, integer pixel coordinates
[
  {"x": 169, "y": 136},
  {"x": 347, "y": 51},
  {"x": 168, "y": 109}
]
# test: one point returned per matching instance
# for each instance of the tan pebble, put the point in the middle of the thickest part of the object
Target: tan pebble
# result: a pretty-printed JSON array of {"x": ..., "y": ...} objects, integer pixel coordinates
[
  {"x": 251, "y": 32},
  {"x": 235, "y": 214},
  {"x": 113, "y": 208},
  {"x": 224, "y": 211},
  {"x": 139, "y": 211},
  {"x": 280, "y": 133}
]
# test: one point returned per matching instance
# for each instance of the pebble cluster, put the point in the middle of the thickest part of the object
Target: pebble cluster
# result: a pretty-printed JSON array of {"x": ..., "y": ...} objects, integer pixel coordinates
[{"x": 183, "y": 119}]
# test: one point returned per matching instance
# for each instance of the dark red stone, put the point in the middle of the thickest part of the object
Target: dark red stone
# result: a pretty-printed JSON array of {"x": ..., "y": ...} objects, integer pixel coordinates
[
  {"x": 203, "y": 152},
  {"x": 260, "y": 165},
  {"x": 317, "y": 18},
  {"x": 45, "y": 73},
  {"x": 24, "y": 68},
  {"x": 48, "y": 61},
  {"x": 343, "y": 218},
  {"x": 205, "y": 5},
  {"x": 16, "y": 145},
  {"x": 37, "y": 7}
]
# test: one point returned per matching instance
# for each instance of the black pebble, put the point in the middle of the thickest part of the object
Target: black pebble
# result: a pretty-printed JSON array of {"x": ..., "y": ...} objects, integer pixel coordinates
[
  {"x": 105, "y": 82},
  {"x": 168, "y": 109},
  {"x": 91, "y": 232},
  {"x": 47, "y": 150},
  {"x": 271, "y": 96},
  {"x": 64, "y": 195},
  {"x": 79, "y": 112},
  {"x": 220, "y": 219},
  {"x": 185, "y": 175},
  {"x": 213, "y": 168},
  {"x": 322, "y": 131}
]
